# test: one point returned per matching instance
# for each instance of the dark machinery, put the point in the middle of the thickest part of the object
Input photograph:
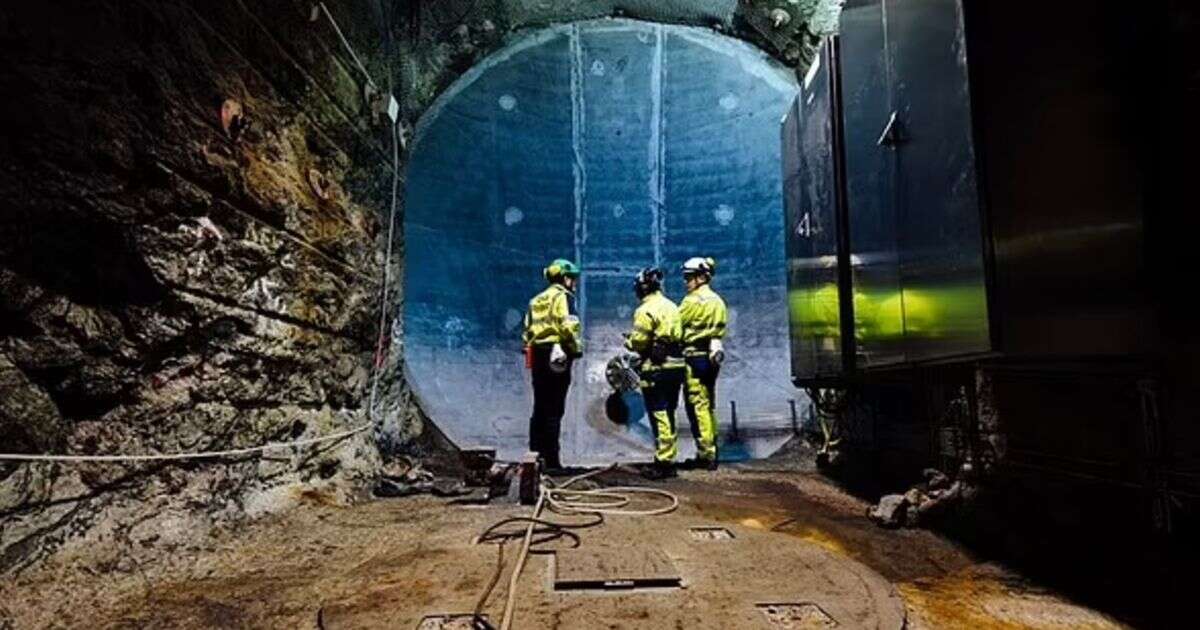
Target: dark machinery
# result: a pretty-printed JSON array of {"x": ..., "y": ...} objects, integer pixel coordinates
[{"x": 975, "y": 226}]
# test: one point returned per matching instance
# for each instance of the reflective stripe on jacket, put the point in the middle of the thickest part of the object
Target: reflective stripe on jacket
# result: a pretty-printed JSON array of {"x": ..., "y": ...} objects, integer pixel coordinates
[
  {"x": 551, "y": 319},
  {"x": 703, "y": 316},
  {"x": 657, "y": 333}
]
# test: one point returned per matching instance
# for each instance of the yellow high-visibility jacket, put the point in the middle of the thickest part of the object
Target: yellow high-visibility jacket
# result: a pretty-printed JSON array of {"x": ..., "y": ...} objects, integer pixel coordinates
[
  {"x": 657, "y": 321},
  {"x": 703, "y": 316},
  {"x": 551, "y": 319}
]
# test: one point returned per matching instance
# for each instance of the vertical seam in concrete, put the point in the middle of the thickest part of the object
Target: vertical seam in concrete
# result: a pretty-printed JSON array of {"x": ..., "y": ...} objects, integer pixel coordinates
[
  {"x": 578, "y": 129},
  {"x": 657, "y": 147}
]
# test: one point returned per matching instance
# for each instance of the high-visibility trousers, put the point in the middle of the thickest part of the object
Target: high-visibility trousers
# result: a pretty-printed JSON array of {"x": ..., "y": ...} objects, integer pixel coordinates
[
  {"x": 701, "y": 404},
  {"x": 660, "y": 391}
]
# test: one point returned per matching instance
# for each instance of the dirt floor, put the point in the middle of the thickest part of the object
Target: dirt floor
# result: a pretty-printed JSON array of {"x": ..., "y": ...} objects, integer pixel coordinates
[{"x": 388, "y": 564}]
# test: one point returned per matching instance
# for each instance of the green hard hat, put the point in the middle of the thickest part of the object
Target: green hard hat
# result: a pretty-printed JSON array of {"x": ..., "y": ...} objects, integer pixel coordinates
[{"x": 561, "y": 267}]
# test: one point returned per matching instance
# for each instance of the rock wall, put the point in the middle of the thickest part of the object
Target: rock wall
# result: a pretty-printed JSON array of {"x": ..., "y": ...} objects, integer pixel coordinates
[{"x": 175, "y": 280}]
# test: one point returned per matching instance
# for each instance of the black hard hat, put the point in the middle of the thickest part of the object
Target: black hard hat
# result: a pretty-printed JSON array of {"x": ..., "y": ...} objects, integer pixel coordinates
[{"x": 648, "y": 280}]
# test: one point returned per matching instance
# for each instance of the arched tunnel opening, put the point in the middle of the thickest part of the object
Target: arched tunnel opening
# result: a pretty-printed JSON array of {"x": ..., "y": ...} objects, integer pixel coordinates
[{"x": 620, "y": 145}]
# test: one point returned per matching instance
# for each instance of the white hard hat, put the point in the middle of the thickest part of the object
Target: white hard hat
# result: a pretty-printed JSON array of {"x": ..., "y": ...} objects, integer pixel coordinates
[{"x": 699, "y": 265}]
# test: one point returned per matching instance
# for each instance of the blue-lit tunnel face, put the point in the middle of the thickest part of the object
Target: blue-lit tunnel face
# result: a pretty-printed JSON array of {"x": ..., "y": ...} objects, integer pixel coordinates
[{"x": 617, "y": 144}]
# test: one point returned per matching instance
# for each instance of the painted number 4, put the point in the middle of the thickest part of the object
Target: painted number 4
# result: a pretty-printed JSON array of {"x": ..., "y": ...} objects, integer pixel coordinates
[{"x": 805, "y": 227}]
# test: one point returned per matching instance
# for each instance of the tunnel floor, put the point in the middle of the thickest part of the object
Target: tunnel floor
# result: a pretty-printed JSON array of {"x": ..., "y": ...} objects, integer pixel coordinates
[{"x": 390, "y": 563}]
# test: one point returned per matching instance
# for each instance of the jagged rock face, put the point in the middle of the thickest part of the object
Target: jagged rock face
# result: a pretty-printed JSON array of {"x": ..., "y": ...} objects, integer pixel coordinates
[{"x": 167, "y": 287}]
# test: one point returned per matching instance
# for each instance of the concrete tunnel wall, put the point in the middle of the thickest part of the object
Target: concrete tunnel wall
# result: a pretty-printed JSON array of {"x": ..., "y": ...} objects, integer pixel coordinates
[{"x": 619, "y": 144}]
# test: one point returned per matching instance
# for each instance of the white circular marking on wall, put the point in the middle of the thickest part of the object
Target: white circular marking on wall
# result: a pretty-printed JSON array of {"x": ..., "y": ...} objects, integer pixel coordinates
[
  {"x": 598, "y": 68},
  {"x": 507, "y": 102},
  {"x": 453, "y": 331},
  {"x": 618, "y": 211},
  {"x": 729, "y": 101},
  {"x": 724, "y": 214},
  {"x": 513, "y": 215},
  {"x": 512, "y": 319}
]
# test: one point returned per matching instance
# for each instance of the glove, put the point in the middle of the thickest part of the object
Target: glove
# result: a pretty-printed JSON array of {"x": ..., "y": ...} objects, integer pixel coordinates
[
  {"x": 716, "y": 352},
  {"x": 634, "y": 360},
  {"x": 558, "y": 359}
]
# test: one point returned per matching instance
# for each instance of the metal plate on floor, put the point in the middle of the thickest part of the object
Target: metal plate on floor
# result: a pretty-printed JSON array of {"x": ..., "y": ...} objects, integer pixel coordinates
[
  {"x": 466, "y": 621},
  {"x": 797, "y": 616},
  {"x": 706, "y": 534},
  {"x": 614, "y": 568}
]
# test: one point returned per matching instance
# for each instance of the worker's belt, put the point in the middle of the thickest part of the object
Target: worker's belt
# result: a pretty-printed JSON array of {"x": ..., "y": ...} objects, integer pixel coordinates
[
  {"x": 671, "y": 363},
  {"x": 662, "y": 352},
  {"x": 696, "y": 348}
]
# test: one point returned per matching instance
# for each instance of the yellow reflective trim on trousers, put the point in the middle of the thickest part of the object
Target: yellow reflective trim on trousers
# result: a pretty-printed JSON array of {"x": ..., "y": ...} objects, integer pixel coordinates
[
  {"x": 667, "y": 446},
  {"x": 700, "y": 410},
  {"x": 672, "y": 363}
]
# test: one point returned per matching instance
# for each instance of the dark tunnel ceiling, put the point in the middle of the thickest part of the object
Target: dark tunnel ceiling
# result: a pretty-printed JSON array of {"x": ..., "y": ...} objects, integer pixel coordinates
[{"x": 620, "y": 144}]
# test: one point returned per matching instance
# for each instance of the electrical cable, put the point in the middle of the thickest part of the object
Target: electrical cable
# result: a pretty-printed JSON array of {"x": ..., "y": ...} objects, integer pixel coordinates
[
  {"x": 487, "y": 591},
  {"x": 510, "y": 604},
  {"x": 23, "y": 457},
  {"x": 583, "y": 501},
  {"x": 490, "y": 533},
  {"x": 387, "y": 274},
  {"x": 347, "y": 45},
  {"x": 501, "y": 538},
  {"x": 602, "y": 501},
  {"x": 561, "y": 499}
]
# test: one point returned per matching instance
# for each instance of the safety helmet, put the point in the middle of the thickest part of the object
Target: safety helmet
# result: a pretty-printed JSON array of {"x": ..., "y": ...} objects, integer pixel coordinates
[
  {"x": 561, "y": 268},
  {"x": 647, "y": 281},
  {"x": 697, "y": 265}
]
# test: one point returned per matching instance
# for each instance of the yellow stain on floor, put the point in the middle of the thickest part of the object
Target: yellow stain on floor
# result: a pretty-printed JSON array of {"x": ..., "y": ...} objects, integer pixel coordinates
[
  {"x": 978, "y": 601},
  {"x": 821, "y": 539},
  {"x": 752, "y": 523}
]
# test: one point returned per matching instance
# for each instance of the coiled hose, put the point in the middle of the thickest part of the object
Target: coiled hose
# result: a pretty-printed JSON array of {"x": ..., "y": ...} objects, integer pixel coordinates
[{"x": 561, "y": 499}]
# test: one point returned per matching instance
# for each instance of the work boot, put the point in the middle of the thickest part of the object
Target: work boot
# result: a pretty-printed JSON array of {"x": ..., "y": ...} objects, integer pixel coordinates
[
  {"x": 699, "y": 463},
  {"x": 659, "y": 470}
]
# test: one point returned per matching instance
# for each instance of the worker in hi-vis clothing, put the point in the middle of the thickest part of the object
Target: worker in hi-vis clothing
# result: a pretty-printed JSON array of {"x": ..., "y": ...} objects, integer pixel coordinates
[
  {"x": 553, "y": 340},
  {"x": 703, "y": 318},
  {"x": 656, "y": 338}
]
